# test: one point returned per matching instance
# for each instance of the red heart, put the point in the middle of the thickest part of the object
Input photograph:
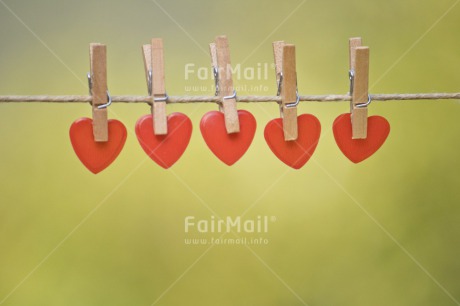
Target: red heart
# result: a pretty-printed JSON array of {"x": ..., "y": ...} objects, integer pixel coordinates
[
  {"x": 294, "y": 153},
  {"x": 165, "y": 150},
  {"x": 229, "y": 148},
  {"x": 96, "y": 156},
  {"x": 358, "y": 150}
]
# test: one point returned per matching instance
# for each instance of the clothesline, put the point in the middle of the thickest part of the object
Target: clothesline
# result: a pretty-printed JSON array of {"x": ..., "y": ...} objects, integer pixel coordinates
[{"x": 216, "y": 99}]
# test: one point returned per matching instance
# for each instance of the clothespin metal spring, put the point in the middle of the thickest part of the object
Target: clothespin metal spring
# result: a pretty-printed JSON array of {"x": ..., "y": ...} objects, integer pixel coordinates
[
  {"x": 90, "y": 86},
  {"x": 278, "y": 93},
  {"x": 351, "y": 76}
]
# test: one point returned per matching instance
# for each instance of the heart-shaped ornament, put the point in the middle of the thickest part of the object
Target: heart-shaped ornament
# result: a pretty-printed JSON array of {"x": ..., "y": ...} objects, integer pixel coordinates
[
  {"x": 165, "y": 150},
  {"x": 358, "y": 150},
  {"x": 96, "y": 156},
  {"x": 229, "y": 148},
  {"x": 297, "y": 152}
]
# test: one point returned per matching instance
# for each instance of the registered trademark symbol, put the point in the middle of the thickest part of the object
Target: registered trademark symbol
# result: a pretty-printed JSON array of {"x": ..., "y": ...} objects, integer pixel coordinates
[{"x": 272, "y": 218}]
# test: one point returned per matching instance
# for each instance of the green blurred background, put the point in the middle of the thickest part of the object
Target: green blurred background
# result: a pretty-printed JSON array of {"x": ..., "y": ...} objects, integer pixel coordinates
[{"x": 383, "y": 232}]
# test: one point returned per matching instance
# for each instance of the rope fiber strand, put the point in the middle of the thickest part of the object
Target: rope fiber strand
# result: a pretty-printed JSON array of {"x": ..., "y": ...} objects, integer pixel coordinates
[{"x": 216, "y": 99}]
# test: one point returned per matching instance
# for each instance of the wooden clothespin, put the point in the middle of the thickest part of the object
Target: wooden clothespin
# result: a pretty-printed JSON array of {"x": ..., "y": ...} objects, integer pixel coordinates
[
  {"x": 98, "y": 88},
  {"x": 286, "y": 77},
  {"x": 359, "y": 83},
  {"x": 213, "y": 51},
  {"x": 155, "y": 75},
  {"x": 220, "y": 58}
]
